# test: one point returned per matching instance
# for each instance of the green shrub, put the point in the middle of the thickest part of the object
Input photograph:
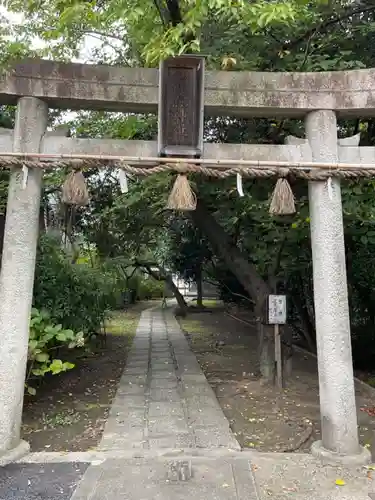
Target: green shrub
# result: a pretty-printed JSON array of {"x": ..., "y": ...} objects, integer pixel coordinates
[
  {"x": 133, "y": 285},
  {"x": 44, "y": 341},
  {"x": 149, "y": 288},
  {"x": 76, "y": 295}
]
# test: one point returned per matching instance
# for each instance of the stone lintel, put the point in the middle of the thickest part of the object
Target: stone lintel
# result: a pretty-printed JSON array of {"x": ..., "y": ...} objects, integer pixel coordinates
[
  {"x": 233, "y": 93},
  {"x": 290, "y": 152},
  {"x": 295, "y": 149},
  {"x": 261, "y": 152}
]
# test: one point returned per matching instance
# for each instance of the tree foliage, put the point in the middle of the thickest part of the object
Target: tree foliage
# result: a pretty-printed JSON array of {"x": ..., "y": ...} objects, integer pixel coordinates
[
  {"x": 77, "y": 296},
  {"x": 147, "y": 27}
]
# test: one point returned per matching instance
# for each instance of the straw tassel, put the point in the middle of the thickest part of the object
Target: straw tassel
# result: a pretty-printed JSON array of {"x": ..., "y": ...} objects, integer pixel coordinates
[
  {"x": 282, "y": 201},
  {"x": 74, "y": 189},
  {"x": 182, "y": 197}
]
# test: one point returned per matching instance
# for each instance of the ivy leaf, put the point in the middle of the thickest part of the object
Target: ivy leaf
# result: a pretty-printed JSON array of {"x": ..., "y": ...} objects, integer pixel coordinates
[
  {"x": 42, "y": 357},
  {"x": 69, "y": 334},
  {"x": 33, "y": 344},
  {"x": 68, "y": 366},
  {"x": 56, "y": 366}
]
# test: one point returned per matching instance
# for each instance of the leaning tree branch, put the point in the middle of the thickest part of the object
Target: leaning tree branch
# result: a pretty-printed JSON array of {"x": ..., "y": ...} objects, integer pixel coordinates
[
  {"x": 100, "y": 36},
  {"x": 104, "y": 35},
  {"x": 174, "y": 10},
  {"x": 229, "y": 290},
  {"x": 156, "y": 275},
  {"x": 161, "y": 275},
  {"x": 162, "y": 13}
]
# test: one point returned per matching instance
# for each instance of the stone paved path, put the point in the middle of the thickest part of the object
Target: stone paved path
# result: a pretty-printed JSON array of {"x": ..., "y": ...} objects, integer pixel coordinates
[
  {"x": 159, "y": 479},
  {"x": 164, "y": 401}
]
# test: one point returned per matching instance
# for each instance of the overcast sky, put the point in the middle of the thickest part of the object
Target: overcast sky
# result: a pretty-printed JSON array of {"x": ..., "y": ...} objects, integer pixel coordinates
[{"x": 90, "y": 43}]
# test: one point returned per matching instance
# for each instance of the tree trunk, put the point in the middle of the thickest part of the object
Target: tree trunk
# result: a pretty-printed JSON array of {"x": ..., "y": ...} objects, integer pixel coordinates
[
  {"x": 266, "y": 350},
  {"x": 162, "y": 275},
  {"x": 249, "y": 278},
  {"x": 176, "y": 292},
  {"x": 307, "y": 328}
]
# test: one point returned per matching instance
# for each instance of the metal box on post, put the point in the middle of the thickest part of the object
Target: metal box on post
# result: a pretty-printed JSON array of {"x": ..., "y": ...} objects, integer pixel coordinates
[{"x": 181, "y": 107}]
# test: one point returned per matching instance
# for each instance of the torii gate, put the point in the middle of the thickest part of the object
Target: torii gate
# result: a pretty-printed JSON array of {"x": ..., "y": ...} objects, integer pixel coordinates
[{"x": 35, "y": 85}]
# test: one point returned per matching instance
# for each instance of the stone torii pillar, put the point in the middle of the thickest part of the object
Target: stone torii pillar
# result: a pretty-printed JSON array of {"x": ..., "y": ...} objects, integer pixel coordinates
[
  {"x": 17, "y": 275},
  {"x": 340, "y": 443}
]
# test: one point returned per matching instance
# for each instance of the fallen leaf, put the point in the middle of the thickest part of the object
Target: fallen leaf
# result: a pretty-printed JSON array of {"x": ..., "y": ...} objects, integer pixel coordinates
[
  {"x": 369, "y": 410},
  {"x": 340, "y": 482}
]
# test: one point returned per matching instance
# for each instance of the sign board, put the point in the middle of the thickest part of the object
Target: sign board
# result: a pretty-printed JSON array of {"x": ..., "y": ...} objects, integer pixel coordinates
[
  {"x": 181, "y": 106},
  {"x": 276, "y": 309}
]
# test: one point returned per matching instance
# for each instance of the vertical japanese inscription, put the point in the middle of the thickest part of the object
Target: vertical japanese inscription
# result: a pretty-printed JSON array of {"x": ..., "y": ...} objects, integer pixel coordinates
[{"x": 181, "y": 107}]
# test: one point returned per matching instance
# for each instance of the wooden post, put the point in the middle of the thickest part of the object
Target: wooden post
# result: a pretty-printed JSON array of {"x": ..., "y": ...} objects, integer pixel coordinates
[
  {"x": 278, "y": 358},
  {"x": 276, "y": 316}
]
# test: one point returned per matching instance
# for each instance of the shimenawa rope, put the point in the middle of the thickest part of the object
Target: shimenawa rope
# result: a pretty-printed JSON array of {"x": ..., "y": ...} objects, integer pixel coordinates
[{"x": 182, "y": 197}]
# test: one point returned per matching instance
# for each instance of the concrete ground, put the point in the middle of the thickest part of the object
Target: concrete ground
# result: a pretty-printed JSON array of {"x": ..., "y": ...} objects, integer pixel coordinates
[{"x": 167, "y": 438}]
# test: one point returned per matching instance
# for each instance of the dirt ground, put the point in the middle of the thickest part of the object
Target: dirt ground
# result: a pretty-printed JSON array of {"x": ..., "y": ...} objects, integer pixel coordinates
[
  {"x": 69, "y": 410},
  {"x": 261, "y": 417}
]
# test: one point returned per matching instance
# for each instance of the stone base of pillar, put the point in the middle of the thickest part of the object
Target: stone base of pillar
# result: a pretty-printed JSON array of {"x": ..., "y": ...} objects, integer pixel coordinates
[
  {"x": 14, "y": 454},
  {"x": 363, "y": 457}
]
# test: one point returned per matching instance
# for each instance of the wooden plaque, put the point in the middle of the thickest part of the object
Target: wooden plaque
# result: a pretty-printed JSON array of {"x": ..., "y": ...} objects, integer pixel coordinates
[{"x": 181, "y": 107}]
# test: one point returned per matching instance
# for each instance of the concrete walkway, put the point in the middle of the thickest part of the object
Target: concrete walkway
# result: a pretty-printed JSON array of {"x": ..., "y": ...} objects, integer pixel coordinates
[
  {"x": 164, "y": 400},
  {"x": 167, "y": 438}
]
